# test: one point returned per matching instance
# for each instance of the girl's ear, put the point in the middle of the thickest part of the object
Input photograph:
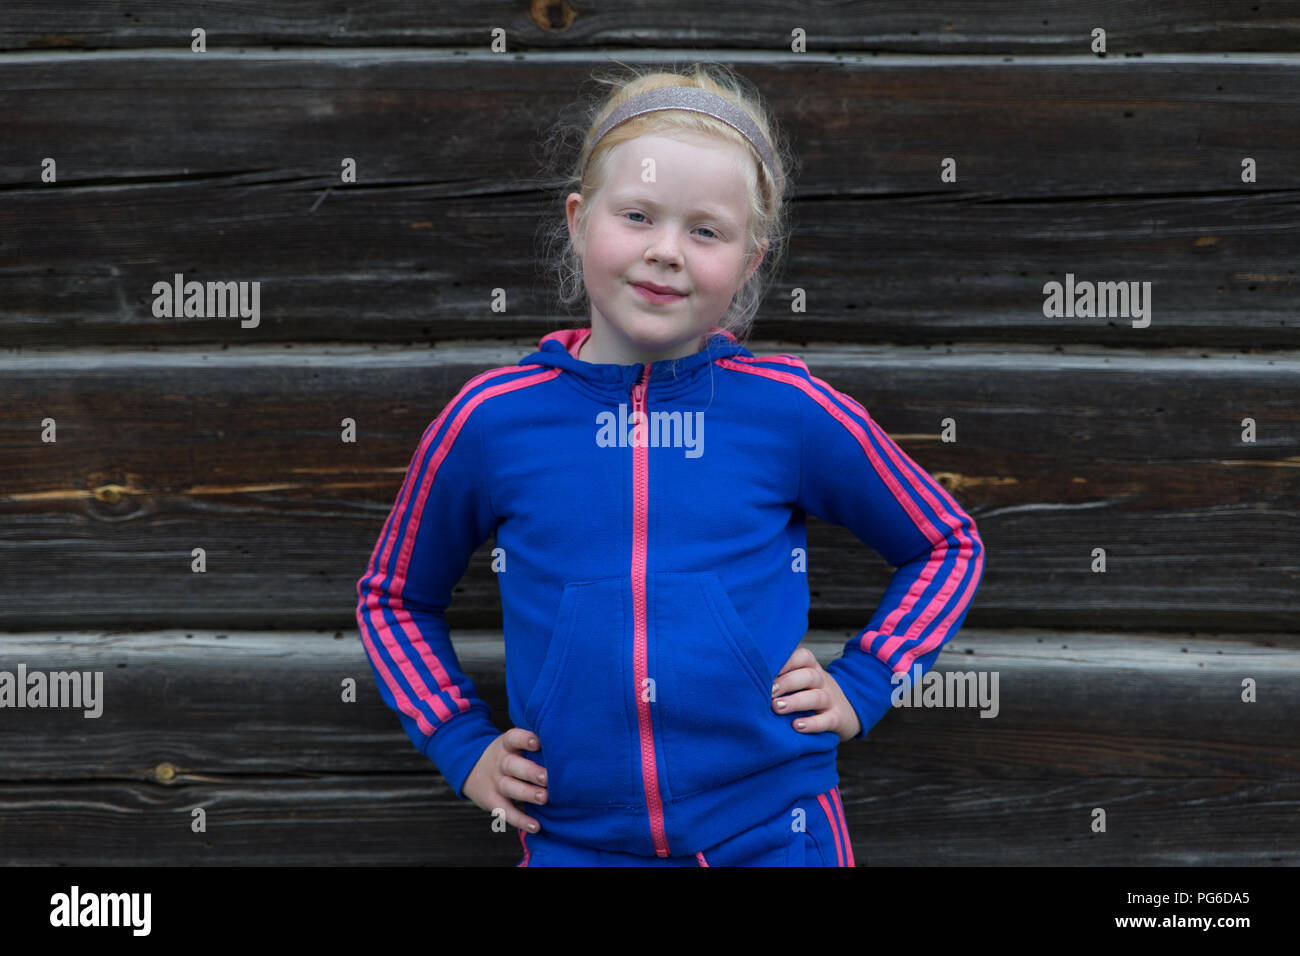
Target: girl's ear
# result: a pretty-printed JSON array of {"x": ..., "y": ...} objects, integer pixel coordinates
[
  {"x": 572, "y": 206},
  {"x": 762, "y": 251}
]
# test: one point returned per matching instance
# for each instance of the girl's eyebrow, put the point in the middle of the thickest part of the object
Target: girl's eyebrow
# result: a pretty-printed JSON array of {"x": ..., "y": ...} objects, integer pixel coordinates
[{"x": 714, "y": 213}]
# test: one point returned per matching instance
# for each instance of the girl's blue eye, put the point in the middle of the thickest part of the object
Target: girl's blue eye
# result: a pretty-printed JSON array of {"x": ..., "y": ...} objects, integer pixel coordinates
[{"x": 705, "y": 228}]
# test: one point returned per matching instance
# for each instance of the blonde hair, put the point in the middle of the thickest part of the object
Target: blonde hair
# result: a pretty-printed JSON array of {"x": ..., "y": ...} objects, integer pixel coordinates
[{"x": 767, "y": 189}]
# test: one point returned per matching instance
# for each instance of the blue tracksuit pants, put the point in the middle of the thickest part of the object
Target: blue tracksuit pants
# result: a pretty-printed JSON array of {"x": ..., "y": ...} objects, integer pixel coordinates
[{"x": 810, "y": 832}]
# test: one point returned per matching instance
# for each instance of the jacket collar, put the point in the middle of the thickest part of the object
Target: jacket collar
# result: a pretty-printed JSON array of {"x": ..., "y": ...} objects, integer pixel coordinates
[{"x": 667, "y": 376}]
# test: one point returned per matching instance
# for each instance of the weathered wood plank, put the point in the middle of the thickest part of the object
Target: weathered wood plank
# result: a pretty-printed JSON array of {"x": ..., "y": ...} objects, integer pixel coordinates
[
  {"x": 893, "y": 25},
  {"x": 239, "y": 452},
  {"x": 1109, "y": 171},
  {"x": 195, "y": 705},
  {"x": 398, "y": 820},
  {"x": 286, "y": 775}
]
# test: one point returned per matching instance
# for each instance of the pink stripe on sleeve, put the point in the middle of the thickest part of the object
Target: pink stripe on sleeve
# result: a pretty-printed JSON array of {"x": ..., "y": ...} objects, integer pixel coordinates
[
  {"x": 381, "y": 561},
  {"x": 906, "y": 501}
]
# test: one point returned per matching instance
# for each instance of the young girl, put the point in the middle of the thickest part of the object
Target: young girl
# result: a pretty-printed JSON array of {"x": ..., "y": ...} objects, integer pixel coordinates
[{"x": 647, "y": 480}]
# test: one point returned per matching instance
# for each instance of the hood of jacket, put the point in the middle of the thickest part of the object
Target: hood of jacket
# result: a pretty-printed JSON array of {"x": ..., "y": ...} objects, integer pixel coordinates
[{"x": 668, "y": 377}]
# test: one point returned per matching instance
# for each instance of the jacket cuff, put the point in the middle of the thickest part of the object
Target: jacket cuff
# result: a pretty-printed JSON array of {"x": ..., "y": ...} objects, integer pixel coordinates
[
  {"x": 457, "y": 745},
  {"x": 866, "y": 683}
]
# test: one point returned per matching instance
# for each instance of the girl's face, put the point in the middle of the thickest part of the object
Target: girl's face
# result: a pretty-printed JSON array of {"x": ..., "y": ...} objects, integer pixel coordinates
[{"x": 684, "y": 231}]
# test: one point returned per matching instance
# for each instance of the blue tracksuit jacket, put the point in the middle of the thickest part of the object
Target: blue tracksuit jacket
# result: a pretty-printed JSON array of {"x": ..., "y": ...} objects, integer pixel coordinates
[{"x": 651, "y": 526}]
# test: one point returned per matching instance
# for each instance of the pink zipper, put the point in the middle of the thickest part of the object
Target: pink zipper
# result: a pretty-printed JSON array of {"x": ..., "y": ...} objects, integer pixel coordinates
[{"x": 640, "y": 507}]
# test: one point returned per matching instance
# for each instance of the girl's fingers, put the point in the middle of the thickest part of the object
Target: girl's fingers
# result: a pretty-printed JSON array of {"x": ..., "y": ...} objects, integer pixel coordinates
[
  {"x": 516, "y": 738},
  {"x": 517, "y": 789},
  {"x": 797, "y": 679},
  {"x": 521, "y": 768},
  {"x": 516, "y": 818},
  {"x": 802, "y": 657},
  {"x": 816, "y": 699},
  {"x": 814, "y": 724}
]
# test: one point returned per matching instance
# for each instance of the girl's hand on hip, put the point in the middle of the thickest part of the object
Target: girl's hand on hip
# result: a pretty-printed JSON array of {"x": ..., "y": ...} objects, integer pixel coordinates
[
  {"x": 503, "y": 774},
  {"x": 806, "y": 686}
]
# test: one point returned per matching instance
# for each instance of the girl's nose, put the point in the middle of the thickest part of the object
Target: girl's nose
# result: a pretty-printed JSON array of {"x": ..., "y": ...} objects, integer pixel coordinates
[{"x": 664, "y": 248}]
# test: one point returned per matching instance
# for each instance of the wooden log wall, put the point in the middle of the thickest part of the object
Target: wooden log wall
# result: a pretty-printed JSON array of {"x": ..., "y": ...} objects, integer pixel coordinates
[{"x": 1120, "y": 690}]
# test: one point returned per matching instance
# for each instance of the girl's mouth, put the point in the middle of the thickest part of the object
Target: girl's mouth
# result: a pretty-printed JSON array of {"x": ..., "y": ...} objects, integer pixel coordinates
[{"x": 658, "y": 298}]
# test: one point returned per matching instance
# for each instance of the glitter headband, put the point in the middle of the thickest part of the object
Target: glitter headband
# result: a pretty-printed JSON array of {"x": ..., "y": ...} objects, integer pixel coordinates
[{"x": 693, "y": 99}]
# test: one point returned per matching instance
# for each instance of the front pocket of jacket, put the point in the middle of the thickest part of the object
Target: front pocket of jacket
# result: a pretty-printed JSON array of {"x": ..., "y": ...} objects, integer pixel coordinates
[
  {"x": 713, "y": 689},
  {"x": 581, "y": 704}
]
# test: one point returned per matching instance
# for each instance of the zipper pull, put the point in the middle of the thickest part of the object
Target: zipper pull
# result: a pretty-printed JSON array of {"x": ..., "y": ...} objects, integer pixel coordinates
[{"x": 638, "y": 389}]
